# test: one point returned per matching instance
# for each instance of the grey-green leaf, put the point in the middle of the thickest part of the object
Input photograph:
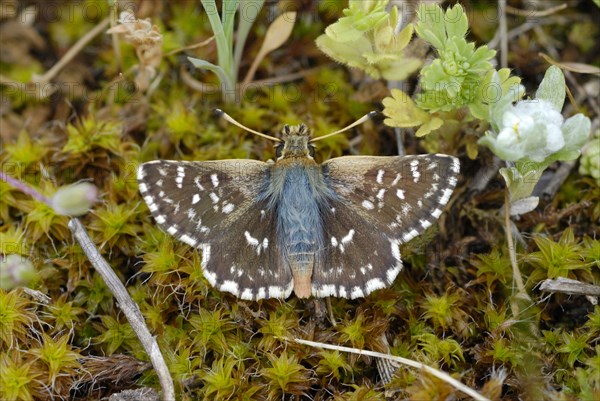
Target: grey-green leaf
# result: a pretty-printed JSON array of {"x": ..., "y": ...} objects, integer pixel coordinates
[{"x": 552, "y": 88}]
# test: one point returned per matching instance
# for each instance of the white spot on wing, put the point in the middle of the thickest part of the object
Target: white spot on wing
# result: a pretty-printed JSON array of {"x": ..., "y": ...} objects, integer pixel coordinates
[
  {"x": 214, "y": 197},
  {"x": 180, "y": 175},
  {"x": 367, "y": 204},
  {"x": 230, "y": 286},
  {"x": 160, "y": 219},
  {"x": 348, "y": 237},
  {"x": 446, "y": 196},
  {"x": 413, "y": 167},
  {"x": 141, "y": 172},
  {"x": 374, "y": 284},
  {"x": 250, "y": 239},
  {"x": 191, "y": 213},
  {"x": 326, "y": 290},
  {"x": 276, "y": 292},
  {"x": 395, "y": 249},
  {"x": 142, "y": 187},
  {"x": 436, "y": 213},
  {"x": 150, "y": 202},
  {"x": 357, "y": 292},
  {"x": 195, "y": 199},
  {"x": 215, "y": 180},
  {"x": 400, "y": 194},
  {"x": 247, "y": 294},
  {"x": 228, "y": 208},
  {"x": 425, "y": 224},
  {"x": 172, "y": 230},
  {"x": 409, "y": 235},
  {"x": 455, "y": 165},
  {"x": 380, "y": 174},
  {"x": 380, "y": 194},
  {"x": 188, "y": 240},
  {"x": 334, "y": 242}
]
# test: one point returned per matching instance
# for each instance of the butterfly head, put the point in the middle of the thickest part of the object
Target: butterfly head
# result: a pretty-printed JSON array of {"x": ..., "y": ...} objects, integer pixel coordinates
[{"x": 295, "y": 142}]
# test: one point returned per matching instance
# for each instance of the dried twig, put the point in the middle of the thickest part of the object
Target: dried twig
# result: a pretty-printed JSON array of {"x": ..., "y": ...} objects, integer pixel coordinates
[
  {"x": 72, "y": 52},
  {"x": 534, "y": 13},
  {"x": 503, "y": 34},
  {"x": 128, "y": 306},
  {"x": 570, "y": 286},
  {"x": 404, "y": 361}
]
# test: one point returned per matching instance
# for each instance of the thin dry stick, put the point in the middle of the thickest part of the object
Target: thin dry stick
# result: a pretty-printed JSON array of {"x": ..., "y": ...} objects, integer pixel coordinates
[
  {"x": 190, "y": 47},
  {"x": 72, "y": 52},
  {"x": 570, "y": 286},
  {"x": 503, "y": 34},
  {"x": 115, "y": 37},
  {"x": 534, "y": 13},
  {"x": 511, "y": 246},
  {"x": 128, "y": 306},
  {"x": 408, "y": 362}
]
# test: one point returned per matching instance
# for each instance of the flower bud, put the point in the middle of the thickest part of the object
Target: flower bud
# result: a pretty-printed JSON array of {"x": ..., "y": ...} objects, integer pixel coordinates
[
  {"x": 75, "y": 200},
  {"x": 16, "y": 271}
]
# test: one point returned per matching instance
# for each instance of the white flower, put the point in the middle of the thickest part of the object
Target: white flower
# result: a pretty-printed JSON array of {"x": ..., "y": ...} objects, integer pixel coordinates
[{"x": 533, "y": 130}]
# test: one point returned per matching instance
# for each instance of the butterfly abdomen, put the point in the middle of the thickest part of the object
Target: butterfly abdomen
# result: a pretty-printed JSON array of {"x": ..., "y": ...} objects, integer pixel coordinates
[{"x": 299, "y": 223}]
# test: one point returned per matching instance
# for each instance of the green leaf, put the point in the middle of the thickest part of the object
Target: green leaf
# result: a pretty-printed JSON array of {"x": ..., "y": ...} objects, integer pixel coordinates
[
  {"x": 343, "y": 30},
  {"x": 229, "y": 9},
  {"x": 205, "y": 65},
  {"x": 348, "y": 53},
  {"x": 521, "y": 179},
  {"x": 576, "y": 131},
  {"x": 552, "y": 88},
  {"x": 249, "y": 10},
  {"x": 429, "y": 126},
  {"x": 431, "y": 25},
  {"x": 456, "y": 21},
  {"x": 402, "y": 111}
]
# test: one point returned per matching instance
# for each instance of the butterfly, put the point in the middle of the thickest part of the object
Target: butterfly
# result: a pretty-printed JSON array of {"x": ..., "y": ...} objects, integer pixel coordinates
[{"x": 267, "y": 229}]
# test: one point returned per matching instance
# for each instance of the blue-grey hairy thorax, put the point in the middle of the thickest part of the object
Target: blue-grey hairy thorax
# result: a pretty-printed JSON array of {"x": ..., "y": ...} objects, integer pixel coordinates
[{"x": 269, "y": 229}]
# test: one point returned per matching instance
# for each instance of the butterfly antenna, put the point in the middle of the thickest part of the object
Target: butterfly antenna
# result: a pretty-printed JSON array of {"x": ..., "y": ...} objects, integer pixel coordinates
[
  {"x": 230, "y": 119},
  {"x": 361, "y": 120}
]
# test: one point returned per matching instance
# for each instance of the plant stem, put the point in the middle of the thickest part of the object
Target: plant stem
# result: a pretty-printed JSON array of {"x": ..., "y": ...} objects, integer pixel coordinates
[
  {"x": 25, "y": 188},
  {"x": 511, "y": 246}
]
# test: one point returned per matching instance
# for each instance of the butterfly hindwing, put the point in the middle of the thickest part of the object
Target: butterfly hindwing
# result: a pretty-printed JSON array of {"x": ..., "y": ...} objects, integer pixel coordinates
[
  {"x": 357, "y": 259},
  {"x": 214, "y": 206},
  {"x": 380, "y": 203}
]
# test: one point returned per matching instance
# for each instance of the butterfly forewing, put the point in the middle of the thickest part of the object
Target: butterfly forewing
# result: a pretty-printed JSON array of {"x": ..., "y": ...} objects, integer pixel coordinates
[
  {"x": 380, "y": 202},
  {"x": 214, "y": 206}
]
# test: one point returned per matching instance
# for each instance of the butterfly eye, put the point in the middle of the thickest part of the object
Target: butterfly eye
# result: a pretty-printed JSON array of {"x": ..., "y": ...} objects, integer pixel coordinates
[
  {"x": 279, "y": 149},
  {"x": 311, "y": 150}
]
